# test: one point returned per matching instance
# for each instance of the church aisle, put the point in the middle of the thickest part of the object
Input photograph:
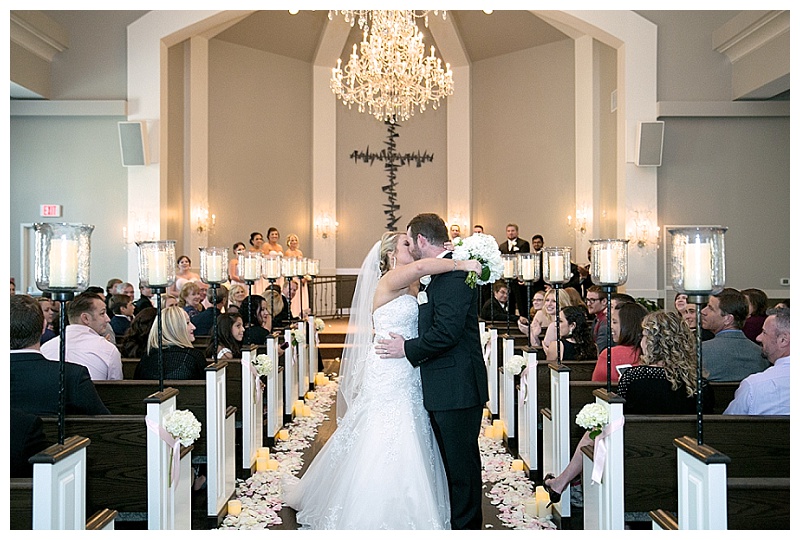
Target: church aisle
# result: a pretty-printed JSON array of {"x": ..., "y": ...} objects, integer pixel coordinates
[{"x": 505, "y": 491}]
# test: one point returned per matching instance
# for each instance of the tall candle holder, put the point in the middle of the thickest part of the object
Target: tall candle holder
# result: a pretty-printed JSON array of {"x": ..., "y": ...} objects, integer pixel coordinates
[
  {"x": 556, "y": 272},
  {"x": 61, "y": 267},
  {"x": 313, "y": 271},
  {"x": 272, "y": 271},
  {"x": 530, "y": 272},
  {"x": 157, "y": 271},
  {"x": 289, "y": 271},
  {"x": 301, "y": 268},
  {"x": 214, "y": 271},
  {"x": 698, "y": 271},
  {"x": 250, "y": 264},
  {"x": 609, "y": 269},
  {"x": 509, "y": 274}
]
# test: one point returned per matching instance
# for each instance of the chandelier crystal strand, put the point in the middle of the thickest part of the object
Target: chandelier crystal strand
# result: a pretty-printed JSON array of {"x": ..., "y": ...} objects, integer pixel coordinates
[{"x": 392, "y": 76}]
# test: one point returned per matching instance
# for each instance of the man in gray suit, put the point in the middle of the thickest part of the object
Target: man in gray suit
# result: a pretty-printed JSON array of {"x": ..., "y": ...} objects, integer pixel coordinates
[{"x": 729, "y": 356}]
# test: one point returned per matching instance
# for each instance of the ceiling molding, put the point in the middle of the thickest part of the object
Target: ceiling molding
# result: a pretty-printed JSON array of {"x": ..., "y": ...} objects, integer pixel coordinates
[
  {"x": 38, "y": 33},
  {"x": 749, "y": 31}
]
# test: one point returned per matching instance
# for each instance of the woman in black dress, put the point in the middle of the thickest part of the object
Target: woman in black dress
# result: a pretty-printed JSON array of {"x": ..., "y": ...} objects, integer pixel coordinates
[
  {"x": 181, "y": 360},
  {"x": 577, "y": 341},
  {"x": 664, "y": 383}
]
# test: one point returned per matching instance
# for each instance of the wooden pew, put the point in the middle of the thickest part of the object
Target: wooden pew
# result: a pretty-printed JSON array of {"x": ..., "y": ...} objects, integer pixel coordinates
[
  {"x": 129, "y": 367},
  {"x": 21, "y": 504},
  {"x": 757, "y": 445}
]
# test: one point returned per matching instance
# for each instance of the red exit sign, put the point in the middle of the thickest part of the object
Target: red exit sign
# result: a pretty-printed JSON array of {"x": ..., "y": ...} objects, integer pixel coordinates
[{"x": 50, "y": 210}]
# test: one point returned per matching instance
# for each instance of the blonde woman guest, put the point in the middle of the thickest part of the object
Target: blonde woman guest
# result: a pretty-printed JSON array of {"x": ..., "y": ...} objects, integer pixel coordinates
[
  {"x": 236, "y": 294},
  {"x": 181, "y": 359},
  {"x": 537, "y": 303},
  {"x": 545, "y": 319},
  {"x": 293, "y": 250},
  {"x": 663, "y": 383},
  {"x": 190, "y": 298}
]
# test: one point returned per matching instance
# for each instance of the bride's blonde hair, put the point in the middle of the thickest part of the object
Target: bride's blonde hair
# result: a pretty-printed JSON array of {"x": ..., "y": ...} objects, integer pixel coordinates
[{"x": 388, "y": 247}]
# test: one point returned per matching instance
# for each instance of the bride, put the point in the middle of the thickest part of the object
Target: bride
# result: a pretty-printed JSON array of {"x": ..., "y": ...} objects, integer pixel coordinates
[{"x": 381, "y": 469}]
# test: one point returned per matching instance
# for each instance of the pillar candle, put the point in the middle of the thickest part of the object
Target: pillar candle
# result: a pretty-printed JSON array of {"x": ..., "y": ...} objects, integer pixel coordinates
[
  {"x": 261, "y": 464},
  {"x": 283, "y": 435},
  {"x": 608, "y": 262},
  {"x": 250, "y": 268},
  {"x": 697, "y": 267},
  {"x": 556, "y": 268},
  {"x": 318, "y": 378},
  {"x": 508, "y": 268},
  {"x": 157, "y": 267},
  {"x": 306, "y": 410},
  {"x": 486, "y": 412},
  {"x": 517, "y": 465},
  {"x": 310, "y": 395},
  {"x": 498, "y": 424},
  {"x": 214, "y": 267},
  {"x": 498, "y": 434},
  {"x": 531, "y": 507},
  {"x": 297, "y": 408},
  {"x": 235, "y": 507},
  {"x": 325, "y": 380},
  {"x": 273, "y": 464},
  {"x": 273, "y": 268},
  {"x": 63, "y": 263},
  {"x": 263, "y": 452},
  {"x": 488, "y": 432},
  {"x": 527, "y": 269},
  {"x": 542, "y": 500}
]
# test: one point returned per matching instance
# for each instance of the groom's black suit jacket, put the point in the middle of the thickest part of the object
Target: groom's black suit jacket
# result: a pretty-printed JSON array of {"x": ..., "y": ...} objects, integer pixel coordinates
[{"x": 448, "y": 349}]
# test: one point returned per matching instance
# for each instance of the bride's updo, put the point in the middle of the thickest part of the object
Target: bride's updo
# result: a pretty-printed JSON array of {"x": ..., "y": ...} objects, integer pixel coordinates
[{"x": 388, "y": 247}]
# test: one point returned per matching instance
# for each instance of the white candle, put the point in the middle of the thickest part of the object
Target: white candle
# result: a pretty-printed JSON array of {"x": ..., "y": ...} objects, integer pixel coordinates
[
  {"x": 263, "y": 452},
  {"x": 234, "y": 507},
  {"x": 608, "y": 260},
  {"x": 542, "y": 500},
  {"x": 63, "y": 263},
  {"x": 273, "y": 464},
  {"x": 157, "y": 268},
  {"x": 250, "y": 268},
  {"x": 556, "y": 267},
  {"x": 517, "y": 465},
  {"x": 273, "y": 268},
  {"x": 527, "y": 269},
  {"x": 214, "y": 267},
  {"x": 508, "y": 268},
  {"x": 261, "y": 464},
  {"x": 697, "y": 267}
]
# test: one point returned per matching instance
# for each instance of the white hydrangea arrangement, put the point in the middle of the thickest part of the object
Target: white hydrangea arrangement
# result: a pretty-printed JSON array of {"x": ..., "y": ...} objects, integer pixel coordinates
[
  {"x": 485, "y": 337},
  {"x": 515, "y": 364},
  {"x": 183, "y": 425},
  {"x": 263, "y": 365},
  {"x": 482, "y": 248},
  {"x": 593, "y": 418},
  {"x": 298, "y": 335},
  {"x": 319, "y": 325}
]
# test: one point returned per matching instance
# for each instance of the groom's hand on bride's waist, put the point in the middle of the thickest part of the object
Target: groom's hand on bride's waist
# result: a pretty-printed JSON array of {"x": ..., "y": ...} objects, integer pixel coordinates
[{"x": 394, "y": 347}]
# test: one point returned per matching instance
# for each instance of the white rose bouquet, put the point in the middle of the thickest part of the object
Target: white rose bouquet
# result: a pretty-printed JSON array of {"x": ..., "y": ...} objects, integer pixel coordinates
[
  {"x": 515, "y": 364},
  {"x": 263, "y": 364},
  {"x": 297, "y": 336},
  {"x": 593, "y": 418},
  {"x": 182, "y": 425},
  {"x": 482, "y": 248}
]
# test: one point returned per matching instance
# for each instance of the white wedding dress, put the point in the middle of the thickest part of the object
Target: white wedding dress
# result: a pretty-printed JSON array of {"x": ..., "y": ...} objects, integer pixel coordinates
[{"x": 381, "y": 469}]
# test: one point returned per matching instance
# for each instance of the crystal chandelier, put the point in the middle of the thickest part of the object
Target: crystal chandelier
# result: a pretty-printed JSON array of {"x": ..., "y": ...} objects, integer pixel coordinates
[{"x": 392, "y": 76}]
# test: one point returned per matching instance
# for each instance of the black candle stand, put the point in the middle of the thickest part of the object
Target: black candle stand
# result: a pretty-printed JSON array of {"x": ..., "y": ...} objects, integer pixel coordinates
[
  {"x": 700, "y": 300},
  {"x": 214, "y": 286},
  {"x": 63, "y": 297},
  {"x": 558, "y": 286},
  {"x": 608, "y": 289},
  {"x": 158, "y": 290}
]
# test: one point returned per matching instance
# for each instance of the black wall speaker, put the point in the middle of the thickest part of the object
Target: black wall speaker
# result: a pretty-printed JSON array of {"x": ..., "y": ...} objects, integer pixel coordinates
[
  {"x": 133, "y": 143},
  {"x": 649, "y": 144}
]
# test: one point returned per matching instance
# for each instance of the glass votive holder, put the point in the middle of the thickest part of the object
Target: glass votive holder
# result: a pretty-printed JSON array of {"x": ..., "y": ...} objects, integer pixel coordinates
[
  {"x": 556, "y": 265},
  {"x": 214, "y": 264},
  {"x": 509, "y": 266},
  {"x": 529, "y": 267},
  {"x": 272, "y": 266},
  {"x": 157, "y": 263},
  {"x": 250, "y": 265},
  {"x": 609, "y": 261},
  {"x": 62, "y": 256},
  {"x": 698, "y": 259}
]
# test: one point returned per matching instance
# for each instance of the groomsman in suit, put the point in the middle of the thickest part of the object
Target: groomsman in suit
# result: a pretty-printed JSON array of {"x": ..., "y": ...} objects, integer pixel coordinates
[
  {"x": 513, "y": 245},
  {"x": 35, "y": 380},
  {"x": 454, "y": 382}
]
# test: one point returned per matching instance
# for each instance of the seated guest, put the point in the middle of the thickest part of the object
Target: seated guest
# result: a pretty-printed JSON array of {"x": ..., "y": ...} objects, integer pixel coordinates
[
  {"x": 108, "y": 332},
  {"x": 236, "y": 294},
  {"x": 230, "y": 332},
  {"x": 27, "y": 439},
  {"x": 664, "y": 383},
  {"x": 85, "y": 344},
  {"x": 259, "y": 310},
  {"x": 617, "y": 299},
  {"x": 284, "y": 317},
  {"x": 50, "y": 329},
  {"x": 537, "y": 304},
  {"x": 730, "y": 356},
  {"x": 768, "y": 392},
  {"x": 689, "y": 314},
  {"x": 576, "y": 341},
  {"x": 181, "y": 360},
  {"x": 145, "y": 299},
  {"x": 575, "y": 298},
  {"x": 110, "y": 285},
  {"x": 134, "y": 342},
  {"x": 204, "y": 321},
  {"x": 36, "y": 381},
  {"x": 626, "y": 330},
  {"x": 496, "y": 308},
  {"x": 597, "y": 304},
  {"x": 122, "y": 308},
  {"x": 190, "y": 298},
  {"x": 680, "y": 302},
  {"x": 564, "y": 300},
  {"x": 756, "y": 312}
]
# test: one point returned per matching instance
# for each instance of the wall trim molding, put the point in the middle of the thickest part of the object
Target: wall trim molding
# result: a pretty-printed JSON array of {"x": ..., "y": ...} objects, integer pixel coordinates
[
  {"x": 677, "y": 109},
  {"x": 76, "y": 107}
]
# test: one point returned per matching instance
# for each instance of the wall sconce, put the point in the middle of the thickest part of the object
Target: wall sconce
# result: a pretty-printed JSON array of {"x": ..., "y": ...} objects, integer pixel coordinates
[
  {"x": 581, "y": 221},
  {"x": 643, "y": 232},
  {"x": 325, "y": 225},
  {"x": 204, "y": 223}
]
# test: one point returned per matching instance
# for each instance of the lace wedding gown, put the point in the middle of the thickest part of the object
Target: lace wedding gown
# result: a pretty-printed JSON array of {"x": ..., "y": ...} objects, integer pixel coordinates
[{"x": 381, "y": 469}]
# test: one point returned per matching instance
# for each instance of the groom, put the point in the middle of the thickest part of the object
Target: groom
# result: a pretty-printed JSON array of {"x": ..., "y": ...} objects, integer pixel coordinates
[{"x": 454, "y": 382}]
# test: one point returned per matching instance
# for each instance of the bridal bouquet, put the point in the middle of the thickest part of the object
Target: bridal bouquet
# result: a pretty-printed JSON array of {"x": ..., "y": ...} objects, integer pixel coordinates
[
  {"x": 263, "y": 365},
  {"x": 515, "y": 364},
  {"x": 593, "y": 418},
  {"x": 482, "y": 248},
  {"x": 182, "y": 425}
]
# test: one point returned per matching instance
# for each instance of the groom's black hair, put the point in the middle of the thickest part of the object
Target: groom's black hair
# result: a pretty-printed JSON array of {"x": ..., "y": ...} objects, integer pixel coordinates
[{"x": 431, "y": 226}]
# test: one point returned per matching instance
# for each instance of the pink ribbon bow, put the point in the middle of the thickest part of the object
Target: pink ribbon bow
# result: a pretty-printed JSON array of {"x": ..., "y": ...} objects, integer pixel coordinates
[
  {"x": 523, "y": 383},
  {"x": 173, "y": 443},
  {"x": 487, "y": 351},
  {"x": 259, "y": 384},
  {"x": 600, "y": 449}
]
